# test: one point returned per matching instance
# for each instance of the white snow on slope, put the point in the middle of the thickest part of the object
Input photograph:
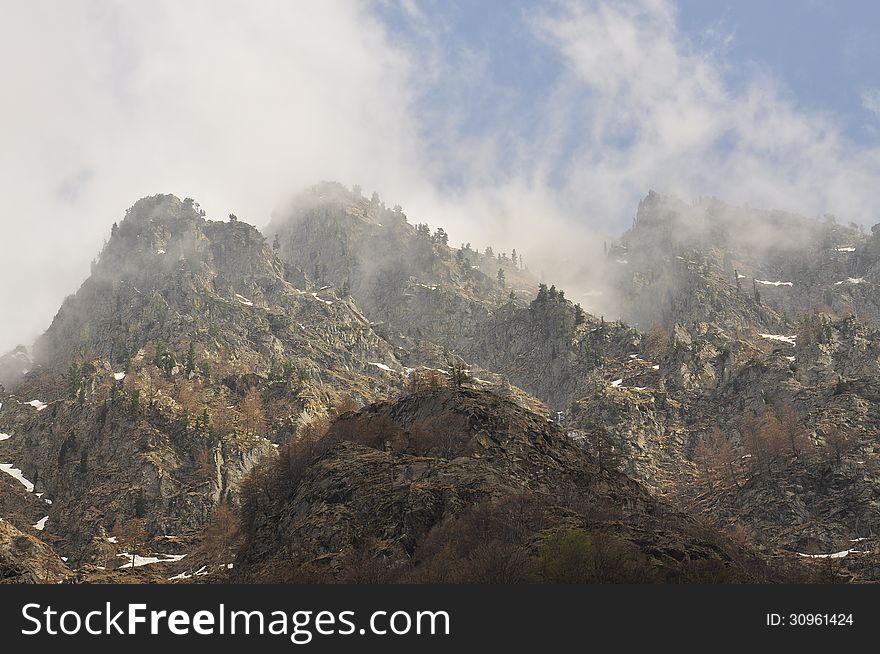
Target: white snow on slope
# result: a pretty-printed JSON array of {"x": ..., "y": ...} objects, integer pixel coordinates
[
  {"x": 851, "y": 280},
  {"x": 846, "y": 248},
  {"x": 16, "y": 473},
  {"x": 382, "y": 366},
  {"x": 37, "y": 404},
  {"x": 835, "y": 555},
  {"x": 41, "y": 523},
  {"x": 622, "y": 261},
  {"x": 119, "y": 376},
  {"x": 779, "y": 337},
  {"x": 327, "y": 302},
  {"x": 147, "y": 560},
  {"x": 244, "y": 300},
  {"x": 3, "y": 437},
  {"x": 160, "y": 251},
  {"x": 616, "y": 383},
  {"x": 769, "y": 283}
]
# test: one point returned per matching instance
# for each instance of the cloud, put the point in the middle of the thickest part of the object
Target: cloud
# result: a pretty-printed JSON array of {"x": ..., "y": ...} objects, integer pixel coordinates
[
  {"x": 871, "y": 101},
  {"x": 232, "y": 103},
  {"x": 238, "y": 104},
  {"x": 638, "y": 105},
  {"x": 660, "y": 112}
]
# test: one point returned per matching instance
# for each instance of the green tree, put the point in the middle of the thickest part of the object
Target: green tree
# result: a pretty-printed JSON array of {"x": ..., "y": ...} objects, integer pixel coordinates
[
  {"x": 190, "y": 365},
  {"x": 566, "y": 557}
]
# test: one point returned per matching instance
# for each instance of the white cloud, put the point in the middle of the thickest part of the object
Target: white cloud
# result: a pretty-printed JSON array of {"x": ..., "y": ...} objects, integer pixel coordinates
[
  {"x": 660, "y": 113},
  {"x": 232, "y": 103},
  {"x": 238, "y": 103},
  {"x": 871, "y": 101}
]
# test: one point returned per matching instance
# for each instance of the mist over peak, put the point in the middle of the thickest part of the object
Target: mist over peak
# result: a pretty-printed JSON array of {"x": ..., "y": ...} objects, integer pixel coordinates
[{"x": 549, "y": 156}]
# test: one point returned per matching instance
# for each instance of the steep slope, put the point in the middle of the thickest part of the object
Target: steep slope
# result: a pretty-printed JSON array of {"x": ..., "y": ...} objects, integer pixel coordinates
[
  {"x": 421, "y": 295},
  {"x": 171, "y": 371},
  {"x": 196, "y": 350},
  {"x": 25, "y": 559},
  {"x": 14, "y": 365},
  {"x": 428, "y": 299},
  {"x": 471, "y": 487},
  {"x": 737, "y": 267}
]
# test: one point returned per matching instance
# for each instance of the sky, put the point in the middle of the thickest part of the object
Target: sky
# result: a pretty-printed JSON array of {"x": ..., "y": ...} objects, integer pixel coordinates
[{"x": 528, "y": 125}]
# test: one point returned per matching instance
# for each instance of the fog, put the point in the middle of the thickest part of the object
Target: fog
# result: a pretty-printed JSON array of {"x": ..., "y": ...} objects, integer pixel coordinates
[{"x": 239, "y": 104}]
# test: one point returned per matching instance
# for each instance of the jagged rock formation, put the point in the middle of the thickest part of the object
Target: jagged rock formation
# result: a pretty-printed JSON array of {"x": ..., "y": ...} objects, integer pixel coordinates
[
  {"x": 709, "y": 262},
  {"x": 741, "y": 392},
  {"x": 145, "y": 371},
  {"x": 25, "y": 559},
  {"x": 14, "y": 365},
  {"x": 421, "y": 295},
  {"x": 389, "y": 504}
]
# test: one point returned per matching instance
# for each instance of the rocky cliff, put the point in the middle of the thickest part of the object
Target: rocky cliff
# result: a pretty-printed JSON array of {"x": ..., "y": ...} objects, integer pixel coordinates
[{"x": 205, "y": 376}]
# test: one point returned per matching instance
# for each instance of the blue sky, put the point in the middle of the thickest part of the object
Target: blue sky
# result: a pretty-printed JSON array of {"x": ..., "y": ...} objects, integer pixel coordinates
[
  {"x": 532, "y": 125},
  {"x": 823, "y": 53},
  {"x": 826, "y": 52}
]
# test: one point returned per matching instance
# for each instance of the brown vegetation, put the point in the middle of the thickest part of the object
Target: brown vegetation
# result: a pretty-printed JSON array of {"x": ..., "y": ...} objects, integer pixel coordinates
[
  {"x": 656, "y": 341},
  {"x": 445, "y": 435}
]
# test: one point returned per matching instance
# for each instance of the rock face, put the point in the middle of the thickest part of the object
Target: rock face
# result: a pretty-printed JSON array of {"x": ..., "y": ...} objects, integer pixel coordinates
[
  {"x": 410, "y": 409},
  {"x": 709, "y": 262},
  {"x": 420, "y": 294},
  {"x": 764, "y": 346},
  {"x": 428, "y": 299},
  {"x": 424, "y": 465},
  {"x": 14, "y": 365},
  {"x": 145, "y": 371},
  {"x": 25, "y": 559}
]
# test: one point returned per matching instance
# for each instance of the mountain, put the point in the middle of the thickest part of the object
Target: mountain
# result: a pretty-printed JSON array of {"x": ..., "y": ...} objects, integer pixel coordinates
[
  {"x": 463, "y": 485},
  {"x": 139, "y": 406},
  {"x": 15, "y": 364},
  {"x": 213, "y": 404},
  {"x": 420, "y": 294}
]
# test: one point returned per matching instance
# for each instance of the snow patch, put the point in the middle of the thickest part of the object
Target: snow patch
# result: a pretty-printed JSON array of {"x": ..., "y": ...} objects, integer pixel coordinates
[
  {"x": 851, "y": 280},
  {"x": 160, "y": 251},
  {"x": 616, "y": 383},
  {"x": 621, "y": 261},
  {"x": 846, "y": 248},
  {"x": 147, "y": 560},
  {"x": 244, "y": 300},
  {"x": 656, "y": 366},
  {"x": 382, "y": 366},
  {"x": 779, "y": 337},
  {"x": 327, "y": 302},
  {"x": 119, "y": 376},
  {"x": 835, "y": 555},
  {"x": 769, "y": 283},
  {"x": 41, "y": 523},
  {"x": 4, "y": 437},
  {"x": 113, "y": 539},
  {"x": 37, "y": 404},
  {"x": 16, "y": 473}
]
